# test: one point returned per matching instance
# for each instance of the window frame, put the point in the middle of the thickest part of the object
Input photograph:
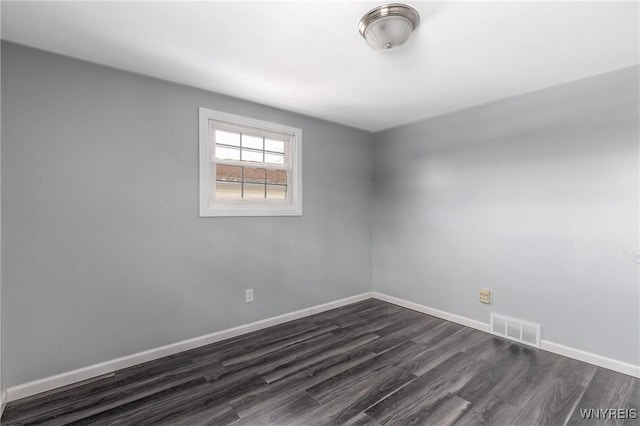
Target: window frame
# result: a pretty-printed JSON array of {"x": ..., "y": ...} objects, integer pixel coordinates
[{"x": 212, "y": 207}]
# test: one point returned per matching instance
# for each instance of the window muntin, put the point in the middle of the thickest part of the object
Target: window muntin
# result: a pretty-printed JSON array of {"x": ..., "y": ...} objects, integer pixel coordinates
[{"x": 254, "y": 167}]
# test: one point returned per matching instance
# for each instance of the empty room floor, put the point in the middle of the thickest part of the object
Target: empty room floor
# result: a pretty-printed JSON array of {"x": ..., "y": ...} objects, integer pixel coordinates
[{"x": 367, "y": 363}]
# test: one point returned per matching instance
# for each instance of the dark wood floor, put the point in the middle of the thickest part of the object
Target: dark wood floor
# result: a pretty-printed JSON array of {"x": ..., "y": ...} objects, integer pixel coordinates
[{"x": 371, "y": 363}]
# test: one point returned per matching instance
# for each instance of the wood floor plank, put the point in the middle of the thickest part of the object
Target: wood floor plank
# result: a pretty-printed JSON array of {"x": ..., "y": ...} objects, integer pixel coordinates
[
  {"x": 108, "y": 395},
  {"x": 634, "y": 404},
  {"x": 368, "y": 326},
  {"x": 450, "y": 411},
  {"x": 575, "y": 372},
  {"x": 409, "y": 324},
  {"x": 298, "y": 364},
  {"x": 56, "y": 402},
  {"x": 459, "y": 373},
  {"x": 422, "y": 393},
  {"x": 210, "y": 414},
  {"x": 489, "y": 411},
  {"x": 253, "y": 351},
  {"x": 481, "y": 349},
  {"x": 425, "y": 360},
  {"x": 438, "y": 333},
  {"x": 445, "y": 411},
  {"x": 401, "y": 335},
  {"x": 540, "y": 367},
  {"x": 607, "y": 390},
  {"x": 172, "y": 404},
  {"x": 490, "y": 374},
  {"x": 120, "y": 413},
  {"x": 344, "y": 404},
  {"x": 272, "y": 360},
  {"x": 263, "y": 397},
  {"x": 458, "y": 341},
  {"x": 552, "y": 404},
  {"x": 255, "y": 338},
  {"x": 194, "y": 409},
  {"x": 380, "y": 311},
  {"x": 361, "y": 420},
  {"x": 328, "y": 389},
  {"x": 335, "y": 315},
  {"x": 422, "y": 362},
  {"x": 281, "y": 412}
]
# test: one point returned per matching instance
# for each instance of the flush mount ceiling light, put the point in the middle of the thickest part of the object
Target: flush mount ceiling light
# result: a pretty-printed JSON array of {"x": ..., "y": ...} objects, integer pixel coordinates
[{"x": 388, "y": 26}]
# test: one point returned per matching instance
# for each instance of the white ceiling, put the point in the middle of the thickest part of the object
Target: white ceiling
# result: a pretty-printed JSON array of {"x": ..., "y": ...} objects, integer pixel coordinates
[{"x": 308, "y": 56}]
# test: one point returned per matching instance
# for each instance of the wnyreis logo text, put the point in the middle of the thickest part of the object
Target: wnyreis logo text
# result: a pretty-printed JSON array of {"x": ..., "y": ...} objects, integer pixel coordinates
[{"x": 609, "y": 413}]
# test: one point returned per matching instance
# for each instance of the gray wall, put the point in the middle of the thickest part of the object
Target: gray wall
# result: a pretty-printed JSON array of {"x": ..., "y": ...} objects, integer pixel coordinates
[
  {"x": 534, "y": 197},
  {"x": 104, "y": 255},
  {"x": 104, "y": 252}
]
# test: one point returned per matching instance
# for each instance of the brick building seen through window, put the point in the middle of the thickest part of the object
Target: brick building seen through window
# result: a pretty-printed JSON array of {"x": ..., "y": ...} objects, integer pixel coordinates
[{"x": 233, "y": 182}]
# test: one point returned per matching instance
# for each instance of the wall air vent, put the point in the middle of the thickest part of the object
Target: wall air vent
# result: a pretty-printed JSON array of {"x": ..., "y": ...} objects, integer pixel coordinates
[{"x": 515, "y": 329}]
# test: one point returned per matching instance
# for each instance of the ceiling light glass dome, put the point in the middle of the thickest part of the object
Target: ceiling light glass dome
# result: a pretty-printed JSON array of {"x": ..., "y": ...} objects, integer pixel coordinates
[{"x": 389, "y": 26}]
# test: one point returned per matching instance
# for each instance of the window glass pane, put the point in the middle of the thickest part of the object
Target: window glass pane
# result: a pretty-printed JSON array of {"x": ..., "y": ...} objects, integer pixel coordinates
[
  {"x": 251, "y": 142},
  {"x": 277, "y": 177},
  {"x": 273, "y": 158},
  {"x": 224, "y": 153},
  {"x": 227, "y": 138},
  {"x": 251, "y": 156},
  {"x": 253, "y": 175},
  {"x": 228, "y": 190},
  {"x": 228, "y": 173},
  {"x": 274, "y": 145},
  {"x": 253, "y": 191},
  {"x": 276, "y": 192}
]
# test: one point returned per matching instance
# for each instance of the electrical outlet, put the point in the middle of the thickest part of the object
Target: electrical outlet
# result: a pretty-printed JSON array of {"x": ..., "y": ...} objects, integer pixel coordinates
[
  {"x": 485, "y": 295},
  {"x": 248, "y": 295}
]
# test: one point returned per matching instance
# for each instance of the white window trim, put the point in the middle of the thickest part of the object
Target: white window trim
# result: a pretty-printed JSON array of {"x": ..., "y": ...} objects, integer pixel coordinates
[{"x": 210, "y": 207}]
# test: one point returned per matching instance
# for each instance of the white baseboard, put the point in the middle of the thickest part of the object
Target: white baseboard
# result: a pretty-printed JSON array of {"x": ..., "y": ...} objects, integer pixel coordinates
[
  {"x": 591, "y": 358},
  {"x": 478, "y": 325},
  {"x": 580, "y": 355},
  {"x": 96, "y": 370}
]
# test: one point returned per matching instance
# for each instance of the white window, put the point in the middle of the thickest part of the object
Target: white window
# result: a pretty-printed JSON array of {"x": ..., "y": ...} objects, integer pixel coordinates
[{"x": 248, "y": 167}]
